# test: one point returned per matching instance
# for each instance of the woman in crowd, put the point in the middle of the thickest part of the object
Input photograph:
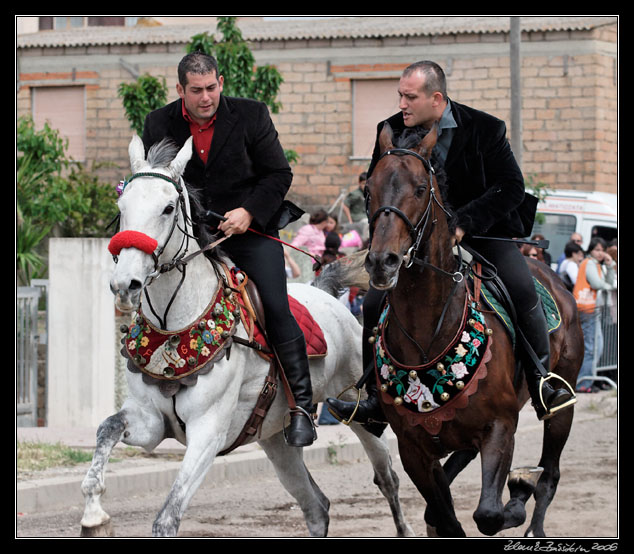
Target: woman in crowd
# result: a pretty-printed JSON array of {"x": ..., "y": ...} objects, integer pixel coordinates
[{"x": 597, "y": 273}]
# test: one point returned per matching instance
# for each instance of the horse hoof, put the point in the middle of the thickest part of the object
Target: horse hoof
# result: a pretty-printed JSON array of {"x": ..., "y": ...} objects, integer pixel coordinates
[{"x": 104, "y": 530}]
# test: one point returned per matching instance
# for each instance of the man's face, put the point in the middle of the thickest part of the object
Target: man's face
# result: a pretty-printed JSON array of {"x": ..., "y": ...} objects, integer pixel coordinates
[
  {"x": 416, "y": 106},
  {"x": 201, "y": 95}
]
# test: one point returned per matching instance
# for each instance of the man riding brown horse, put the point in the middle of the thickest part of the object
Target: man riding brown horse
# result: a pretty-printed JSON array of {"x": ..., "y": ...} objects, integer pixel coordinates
[{"x": 485, "y": 189}]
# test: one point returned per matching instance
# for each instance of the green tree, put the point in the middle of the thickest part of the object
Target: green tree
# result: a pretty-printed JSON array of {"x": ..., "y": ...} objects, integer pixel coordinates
[
  {"x": 55, "y": 195},
  {"x": 237, "y": 65},
  {"x": 147, "y": 93}
]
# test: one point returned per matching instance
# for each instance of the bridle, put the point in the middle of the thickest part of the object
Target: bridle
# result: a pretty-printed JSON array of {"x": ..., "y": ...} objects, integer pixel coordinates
[
  {"x": 416, "y": 231},
  {"x": 179, "y": 260}
]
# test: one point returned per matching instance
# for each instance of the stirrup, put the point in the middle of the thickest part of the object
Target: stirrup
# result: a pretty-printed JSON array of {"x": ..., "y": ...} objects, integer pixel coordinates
[
  {"x": 354, "y": 412},
  {"x": 309, "y": 416},
  {"x": 548, "y": 413}
]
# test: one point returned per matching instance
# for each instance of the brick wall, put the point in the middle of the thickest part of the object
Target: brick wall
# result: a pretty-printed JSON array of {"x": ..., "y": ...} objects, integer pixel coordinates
[{"x": 569, "y": 100}]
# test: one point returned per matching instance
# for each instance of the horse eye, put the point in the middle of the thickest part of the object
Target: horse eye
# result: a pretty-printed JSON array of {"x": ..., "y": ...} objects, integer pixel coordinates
[
  {"x": 168, "y": 210},
  {"x": 420, "y": 190}
]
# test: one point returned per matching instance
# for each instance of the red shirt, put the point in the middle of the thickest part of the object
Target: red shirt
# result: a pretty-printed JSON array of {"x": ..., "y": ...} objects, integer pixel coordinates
[{"x": 202, "y": 134}]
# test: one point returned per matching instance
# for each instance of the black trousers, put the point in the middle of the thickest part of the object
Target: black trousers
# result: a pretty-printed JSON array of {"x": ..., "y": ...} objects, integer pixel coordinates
[
  {"x": 262, "y": 259},
  {"x": 511, "y": 267}
]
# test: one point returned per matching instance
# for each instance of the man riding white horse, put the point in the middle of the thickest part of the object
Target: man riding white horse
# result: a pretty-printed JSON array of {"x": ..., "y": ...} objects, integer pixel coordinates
[{"x": 240, "y": 169}]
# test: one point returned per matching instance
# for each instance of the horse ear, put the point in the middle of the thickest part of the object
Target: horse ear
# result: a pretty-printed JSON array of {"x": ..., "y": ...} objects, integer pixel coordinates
[
  {"x": 177, "y": 167},
  {"x": 136, "y": 151},
  {"x": 426, "y": 145},
  {"x": 385, "y": 138}
]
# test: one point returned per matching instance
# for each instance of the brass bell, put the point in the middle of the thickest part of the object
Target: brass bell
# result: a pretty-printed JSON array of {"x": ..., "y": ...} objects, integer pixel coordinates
[
  {"x": 440, "y": 366},
  {"x": 225, "y": 334},
  {"x": 168, "y": 371},
  {"x": 426, "y": 406},
  {"x": 413, "y": 375},
  {"x": 488, "y": 332},
  {"x": 191, "y": 360},
  {"x": 372, "y": 340},
  {"x": 174, "y": 340},
  {"x": 398, "y": 401},
  {"x": 471, "y": 322},
  {"x": 227, "y": 291},
  {"x": 385, "y": 387},
  {"x": 460, "y": 385},
  {"x": 201, "y": 324},
  {"x": 140, "y": 360},
  {"x": 444, "y": 396},
  {"x": 124, "y": 329}
]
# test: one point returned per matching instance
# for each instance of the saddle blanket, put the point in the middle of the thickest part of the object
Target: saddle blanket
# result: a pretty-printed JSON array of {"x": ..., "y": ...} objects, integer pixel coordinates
[
  {"x": 549, "y": 306},
  {"x": 315, "y": 341}
]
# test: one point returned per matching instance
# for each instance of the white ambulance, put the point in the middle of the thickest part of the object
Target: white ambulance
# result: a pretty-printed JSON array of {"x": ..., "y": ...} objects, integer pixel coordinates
[{"x": 566, "y": 211}]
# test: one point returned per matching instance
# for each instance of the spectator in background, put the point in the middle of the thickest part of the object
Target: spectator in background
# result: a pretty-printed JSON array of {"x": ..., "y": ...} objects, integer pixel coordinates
[
  {"x": 354, "y": 203},
  {"x": 312, "y": 236},
  {"x": 574, "y": 237},
  {"x": 597, "y": 272},
  {"x": 530, "y": 251},
  {"x": 542, "y": 255},
  {"x": 569, "y": 267}
]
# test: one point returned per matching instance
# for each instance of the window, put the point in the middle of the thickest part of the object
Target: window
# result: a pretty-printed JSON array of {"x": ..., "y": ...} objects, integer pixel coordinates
[
  {"x": 557, "y": 229},
  {"x": 373, "y": 101},
  {"x": 64, "y": 110}
]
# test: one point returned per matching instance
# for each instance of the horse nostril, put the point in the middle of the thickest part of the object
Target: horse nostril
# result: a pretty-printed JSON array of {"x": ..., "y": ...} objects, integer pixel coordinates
[
  {"x": 392, "y": 260},
  {"x": 135, "y": 285}
]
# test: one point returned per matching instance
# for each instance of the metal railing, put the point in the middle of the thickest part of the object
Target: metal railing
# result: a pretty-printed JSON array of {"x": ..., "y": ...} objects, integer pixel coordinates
[
  {"x": 606, "y": 339},
  {"x": 27, "y": 339}
]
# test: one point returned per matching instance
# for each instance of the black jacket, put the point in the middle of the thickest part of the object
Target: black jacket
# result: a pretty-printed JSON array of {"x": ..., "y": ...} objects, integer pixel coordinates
[
  {"x": 246, "y": 166},
  {"x": 485, "y": 185}
]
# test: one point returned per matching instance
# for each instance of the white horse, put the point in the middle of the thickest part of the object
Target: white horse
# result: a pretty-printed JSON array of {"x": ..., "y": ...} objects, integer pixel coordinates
[{"x": 208, "y": 415}]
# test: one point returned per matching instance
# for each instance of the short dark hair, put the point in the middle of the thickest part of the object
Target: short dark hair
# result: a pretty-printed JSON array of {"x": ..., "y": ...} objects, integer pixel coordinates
[
  {"x": 572, "y": 248},
  {"x": 197, "y": 63},
  {"x": 596, "y": 241},
  {"x": 318, "y": 217},
  {"x": 435, "y": 80}
]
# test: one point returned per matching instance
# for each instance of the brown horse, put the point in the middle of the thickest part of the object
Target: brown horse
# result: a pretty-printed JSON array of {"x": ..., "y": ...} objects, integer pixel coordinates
[{"x": 412, "y": 256}]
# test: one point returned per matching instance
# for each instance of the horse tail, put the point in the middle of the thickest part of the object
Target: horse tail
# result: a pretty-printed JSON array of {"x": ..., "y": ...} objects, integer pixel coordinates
[{"x": 345, "y": 272}]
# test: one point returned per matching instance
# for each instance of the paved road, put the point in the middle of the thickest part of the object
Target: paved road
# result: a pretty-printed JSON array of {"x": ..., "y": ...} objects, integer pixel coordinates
[{"x": 248, "y": 501}]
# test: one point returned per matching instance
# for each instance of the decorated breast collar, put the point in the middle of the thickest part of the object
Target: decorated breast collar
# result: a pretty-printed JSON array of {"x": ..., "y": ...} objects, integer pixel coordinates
[
  {"x": 172, "y": 355},
  {"x": 429, "y": 394}
]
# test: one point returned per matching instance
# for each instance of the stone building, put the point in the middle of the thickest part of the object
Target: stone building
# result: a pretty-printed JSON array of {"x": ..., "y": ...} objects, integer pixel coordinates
[{"x": 340, "y": 78}]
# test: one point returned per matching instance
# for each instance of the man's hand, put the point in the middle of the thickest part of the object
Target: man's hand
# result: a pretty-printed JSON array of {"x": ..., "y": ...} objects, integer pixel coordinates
[
  {"x": 458, "y": 235},
  {"x": 237, "y": 222}
]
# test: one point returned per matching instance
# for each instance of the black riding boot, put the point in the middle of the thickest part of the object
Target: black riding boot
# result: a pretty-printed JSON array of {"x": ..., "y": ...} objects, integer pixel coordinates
[
  {"x": 369, "y": 411},
  {"x": 294, "y": 361},
  {"x": 545, "y": 399}
]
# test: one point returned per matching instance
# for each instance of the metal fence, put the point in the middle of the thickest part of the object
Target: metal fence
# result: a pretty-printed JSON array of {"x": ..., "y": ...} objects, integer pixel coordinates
[
  {"x": 606, "y": 340},
  {"x": 27, "y": 339}
]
